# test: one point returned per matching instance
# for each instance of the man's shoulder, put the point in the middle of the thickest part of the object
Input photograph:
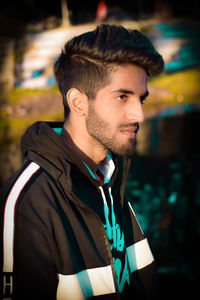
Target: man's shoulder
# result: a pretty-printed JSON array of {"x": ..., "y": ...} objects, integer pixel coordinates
[
  {"x": 30, "y": 191},
  {"x": 30, "y": 181},
  {"x": 20, "y": 180}
]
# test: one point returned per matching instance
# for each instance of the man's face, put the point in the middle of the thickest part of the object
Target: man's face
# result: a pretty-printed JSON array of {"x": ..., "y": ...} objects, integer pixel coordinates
[{"x": 113, "y": 117}]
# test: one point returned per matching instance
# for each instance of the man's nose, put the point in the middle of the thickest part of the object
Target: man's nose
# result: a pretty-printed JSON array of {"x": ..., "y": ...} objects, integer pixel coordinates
[{"x": 135, "y": 112}]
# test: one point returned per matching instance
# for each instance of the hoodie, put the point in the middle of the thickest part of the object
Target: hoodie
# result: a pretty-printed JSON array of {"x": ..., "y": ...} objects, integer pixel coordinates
[{"x": 67, "y": 233}]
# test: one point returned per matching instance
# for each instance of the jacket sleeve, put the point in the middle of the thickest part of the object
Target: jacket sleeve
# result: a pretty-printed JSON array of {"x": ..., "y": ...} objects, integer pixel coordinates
[
  {"x": 28, "y": 268},
  {"x": 142, "y": 262},
  {"x": 35, "y": 275}
]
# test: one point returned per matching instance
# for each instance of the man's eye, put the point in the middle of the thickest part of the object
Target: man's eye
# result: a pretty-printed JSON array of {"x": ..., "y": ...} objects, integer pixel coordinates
[{"x": 122, "y": 97}]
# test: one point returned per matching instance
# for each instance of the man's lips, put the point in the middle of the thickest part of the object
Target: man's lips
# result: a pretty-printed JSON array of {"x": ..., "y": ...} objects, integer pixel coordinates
[
  {"x": 131, "y": 133},
  {"x": 130, "y": 130}
]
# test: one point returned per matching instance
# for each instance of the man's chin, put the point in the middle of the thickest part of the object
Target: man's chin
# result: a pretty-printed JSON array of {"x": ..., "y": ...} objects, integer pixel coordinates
[{"x": 125, "y": 151}]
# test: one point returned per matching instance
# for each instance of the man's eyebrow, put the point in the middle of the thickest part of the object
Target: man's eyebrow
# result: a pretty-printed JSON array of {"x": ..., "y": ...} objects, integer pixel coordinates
[{"x": 123, "y": 91}]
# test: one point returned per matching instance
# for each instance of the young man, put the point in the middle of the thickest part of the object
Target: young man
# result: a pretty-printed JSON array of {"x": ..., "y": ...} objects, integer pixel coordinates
[{"x": 67, "y": 232}]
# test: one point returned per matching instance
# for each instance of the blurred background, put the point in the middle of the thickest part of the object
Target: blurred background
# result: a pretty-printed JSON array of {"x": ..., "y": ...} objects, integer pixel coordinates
[{"x": 164, "y": 180}]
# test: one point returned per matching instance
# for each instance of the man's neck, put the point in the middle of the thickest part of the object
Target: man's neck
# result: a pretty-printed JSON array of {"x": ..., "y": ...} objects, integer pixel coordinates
[{"x": 90, "y": 161}]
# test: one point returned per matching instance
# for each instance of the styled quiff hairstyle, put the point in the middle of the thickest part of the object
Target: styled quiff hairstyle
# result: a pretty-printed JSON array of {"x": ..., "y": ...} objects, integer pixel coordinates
[{"x": 87, "y": 60}]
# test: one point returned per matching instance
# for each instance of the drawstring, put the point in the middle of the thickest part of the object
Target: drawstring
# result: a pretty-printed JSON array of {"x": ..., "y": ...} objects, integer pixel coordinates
[
  {"x": 108, "y": 226},
  {"x": 112, "y": 228},
  {"x": 104, "y": 196},
  {"x": 106, "y": 214},
  {"x": 110, "y": 194},
  {"x": 112, "y": 206}
]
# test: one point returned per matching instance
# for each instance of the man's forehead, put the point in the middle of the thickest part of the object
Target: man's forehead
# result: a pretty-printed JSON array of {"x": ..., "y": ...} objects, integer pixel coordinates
[
  {"x": 129, "y": 79},
  {"x": 129, "y": 73}
]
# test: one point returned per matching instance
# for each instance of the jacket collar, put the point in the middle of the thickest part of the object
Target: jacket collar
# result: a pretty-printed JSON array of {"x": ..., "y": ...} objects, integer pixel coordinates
[
  {"x": 45, "y": 146},
  {"x": 105, "y": 170}
]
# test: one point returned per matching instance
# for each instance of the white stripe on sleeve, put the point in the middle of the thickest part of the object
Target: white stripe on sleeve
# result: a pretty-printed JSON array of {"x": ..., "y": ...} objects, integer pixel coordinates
[
  {"x": 139, "y": 255},
  {"x": 87, "y": 283},
  {"x": 9, "y": 215}
]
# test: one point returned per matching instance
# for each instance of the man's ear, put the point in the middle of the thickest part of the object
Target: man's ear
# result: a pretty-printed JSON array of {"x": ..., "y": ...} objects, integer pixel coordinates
[{"x": 76, "y": 101}]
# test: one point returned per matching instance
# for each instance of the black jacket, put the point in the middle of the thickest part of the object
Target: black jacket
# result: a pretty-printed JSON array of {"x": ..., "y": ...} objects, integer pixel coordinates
[{"x": 53, "y": 242}]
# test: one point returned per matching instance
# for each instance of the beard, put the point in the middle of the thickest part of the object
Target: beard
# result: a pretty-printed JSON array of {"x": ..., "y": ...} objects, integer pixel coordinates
[{"x": 101, "y": 130}]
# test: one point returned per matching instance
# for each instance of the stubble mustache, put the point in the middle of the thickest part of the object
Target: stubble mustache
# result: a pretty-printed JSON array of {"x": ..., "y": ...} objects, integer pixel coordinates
[{"x": 134, "y": 126}]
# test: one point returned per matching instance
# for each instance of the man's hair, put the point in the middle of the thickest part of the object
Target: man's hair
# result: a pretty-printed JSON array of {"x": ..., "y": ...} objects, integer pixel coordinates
[{"x": 87, "y": 60}]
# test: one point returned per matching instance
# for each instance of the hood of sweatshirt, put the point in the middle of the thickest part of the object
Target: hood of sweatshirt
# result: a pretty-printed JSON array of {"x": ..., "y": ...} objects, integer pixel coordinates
[{"x": 42, "y": 143}]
